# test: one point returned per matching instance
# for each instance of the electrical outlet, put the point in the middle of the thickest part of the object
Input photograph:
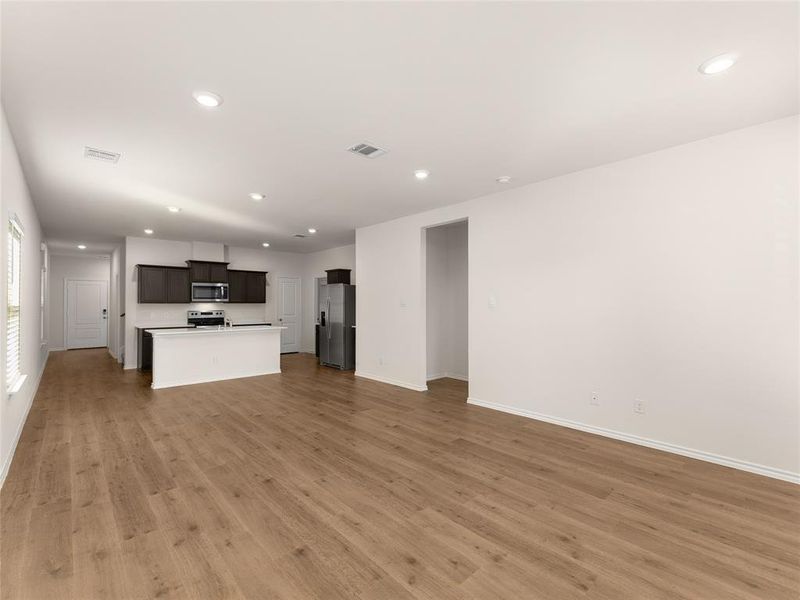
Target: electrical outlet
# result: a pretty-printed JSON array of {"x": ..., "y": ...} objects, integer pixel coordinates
[
  {"x": 638, "y": 406},
  {"x": 595, "y": 401},
  {"x": 380, "y": 360}
]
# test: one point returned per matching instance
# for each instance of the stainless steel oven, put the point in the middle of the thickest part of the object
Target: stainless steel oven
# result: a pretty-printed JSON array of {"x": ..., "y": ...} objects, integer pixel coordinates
[{"x": 209, "y": 292}]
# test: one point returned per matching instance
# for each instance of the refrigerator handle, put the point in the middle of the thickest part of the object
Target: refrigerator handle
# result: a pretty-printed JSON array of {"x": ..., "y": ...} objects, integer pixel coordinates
[{"x": 329, "y": 313}]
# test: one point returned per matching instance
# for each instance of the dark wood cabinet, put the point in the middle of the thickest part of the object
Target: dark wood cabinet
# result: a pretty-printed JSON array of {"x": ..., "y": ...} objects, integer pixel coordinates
[
  {"x": 173, "y": 285},
  {"x": 152, "y": 284},
  {"x": 201, "y": 271},
  {"x": 163, "y": 285},
  {"x": 179, "y": 289},
  {"x": 247, "y": 286},
  {"x": 237, "y": 286},
  {"x": 257, "y": 287},
  {"x": 218, "y": 272},
  {"x": 338, "y": 275}
]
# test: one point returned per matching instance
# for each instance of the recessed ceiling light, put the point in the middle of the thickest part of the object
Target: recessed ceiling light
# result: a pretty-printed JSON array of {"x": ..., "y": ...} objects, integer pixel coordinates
[
  {"x": 718, "y": 64},
  {"x": 148, "y": 231},
  {"x": 421, "y": 174},
  {"x": 257, "y": 196},
  {"x": 504, "y": 179},
  {"x": 173, "y": 209},
  {"x": 265, "y": 244},
  {"x": 208, "y": 99},
  {"x": 81, "y": 246},
  {"x": 312, "y": 230}
]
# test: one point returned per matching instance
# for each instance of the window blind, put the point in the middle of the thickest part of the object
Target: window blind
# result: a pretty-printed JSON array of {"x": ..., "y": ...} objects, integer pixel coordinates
[{"x": 13, "y": 339}]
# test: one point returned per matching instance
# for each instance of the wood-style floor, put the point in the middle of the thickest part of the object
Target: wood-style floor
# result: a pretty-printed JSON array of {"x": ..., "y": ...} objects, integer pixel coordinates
[{"x": 316, "y": 484}]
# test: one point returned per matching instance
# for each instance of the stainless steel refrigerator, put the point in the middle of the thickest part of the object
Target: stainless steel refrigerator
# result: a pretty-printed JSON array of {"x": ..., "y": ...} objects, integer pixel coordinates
[{"x": 337, "y": 319}]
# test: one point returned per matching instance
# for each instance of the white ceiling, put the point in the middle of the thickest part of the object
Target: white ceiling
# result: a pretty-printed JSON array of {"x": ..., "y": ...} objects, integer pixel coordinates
[{"x": 469, "y": 91}]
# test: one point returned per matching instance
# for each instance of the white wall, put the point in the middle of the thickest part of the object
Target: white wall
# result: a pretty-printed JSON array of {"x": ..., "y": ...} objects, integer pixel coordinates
[
  {"x": 315, "y": 265},
  {"x": 71, "y": 267},
  {"x": 167, "y": 252},
  {"x": 446, "y": 301},
  {"x": 15, "y": 200},
  {"x": 671, "y": 277}
]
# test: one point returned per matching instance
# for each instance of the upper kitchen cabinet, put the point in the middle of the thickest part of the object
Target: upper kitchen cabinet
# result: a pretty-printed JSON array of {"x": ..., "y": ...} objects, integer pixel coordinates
[
  {"x": 163, "y": 285},
  {"x": 179, "y": 288},
  {"x": 237, "y": 286},
  {"x": 201, "y": 271},
  {"x": 256, "y": 287},
  {"x": 152, "y": 284},
  {"x": 247, "y": 286}
]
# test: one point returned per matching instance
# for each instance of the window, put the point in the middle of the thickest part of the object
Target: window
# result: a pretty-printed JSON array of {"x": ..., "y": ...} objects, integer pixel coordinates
[{"x": 14, "y": 376}]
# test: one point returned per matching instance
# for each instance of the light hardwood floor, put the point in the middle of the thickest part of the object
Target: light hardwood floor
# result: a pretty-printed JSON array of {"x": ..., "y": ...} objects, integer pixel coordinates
[{"x": 316, "y": 484}]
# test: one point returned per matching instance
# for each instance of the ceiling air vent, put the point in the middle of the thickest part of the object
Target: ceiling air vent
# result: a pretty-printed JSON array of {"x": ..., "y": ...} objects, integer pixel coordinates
[
  {"x": 300, "y": 235},
  {"x": 103, "y": 155},
  {"x": 367, "y": 150}
]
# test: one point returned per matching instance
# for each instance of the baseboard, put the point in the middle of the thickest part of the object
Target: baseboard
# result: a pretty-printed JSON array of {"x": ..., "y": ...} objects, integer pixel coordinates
[
  {"x": 402, "y": 384},
  {"x": 435, "y": 377},
  {"x": 447, "y": 376},
  {"x": 56, "y": 349},
  {"x": 650, "y": 443},
  {"x": 18, "y": 433}
]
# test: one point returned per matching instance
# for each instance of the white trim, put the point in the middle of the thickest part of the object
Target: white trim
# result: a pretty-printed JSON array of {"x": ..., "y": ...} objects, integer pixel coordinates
[
  {"x": 16, "y": 385},
  {"x": 398, "y": 383},
  {"x": 718, "y": 459},
  {"x": 447, "y": 376},
  {"x": 57, "y": 349},
  {"x": 7, "y": 465},
  {"x": 17, "y": 223},
  {"x": 66, "y": 311}
]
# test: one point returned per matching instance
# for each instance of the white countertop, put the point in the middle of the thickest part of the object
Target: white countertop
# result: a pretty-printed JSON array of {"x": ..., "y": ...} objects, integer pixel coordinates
[{"x": 220, "y": 331}]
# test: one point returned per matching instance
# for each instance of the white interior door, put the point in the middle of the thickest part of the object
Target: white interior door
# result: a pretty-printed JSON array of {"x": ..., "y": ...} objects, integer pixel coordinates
[
  {"x": 289, "y": 313},
  {"x": 86, "y": 308}
]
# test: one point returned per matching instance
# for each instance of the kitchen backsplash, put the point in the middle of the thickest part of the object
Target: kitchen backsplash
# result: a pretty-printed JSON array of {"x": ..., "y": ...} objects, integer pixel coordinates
[{"x": 151, "y": 314}]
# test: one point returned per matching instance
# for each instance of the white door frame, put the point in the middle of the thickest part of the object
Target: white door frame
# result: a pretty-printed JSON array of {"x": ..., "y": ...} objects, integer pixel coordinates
[
  {"x": 66, "y": 307},
  {"x": 279, "y": 307}
]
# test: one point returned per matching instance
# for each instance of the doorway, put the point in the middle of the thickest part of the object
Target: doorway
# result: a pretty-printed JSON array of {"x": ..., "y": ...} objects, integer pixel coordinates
[
  {"x": 289, "y": 313},
  {"x": 86, "y": 313},
  {"x": 447, "y": 294}
]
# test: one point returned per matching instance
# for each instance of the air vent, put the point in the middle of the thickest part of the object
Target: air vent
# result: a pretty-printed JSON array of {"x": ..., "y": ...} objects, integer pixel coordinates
[
  {"x": 367, "y": 150},
  {"x": 103, "y": 155},
  {"x": 300, "y": 235}
]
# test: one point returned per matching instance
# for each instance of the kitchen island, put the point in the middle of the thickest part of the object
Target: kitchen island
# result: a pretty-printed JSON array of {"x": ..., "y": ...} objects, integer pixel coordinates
[{"x": 200, "y": 355}]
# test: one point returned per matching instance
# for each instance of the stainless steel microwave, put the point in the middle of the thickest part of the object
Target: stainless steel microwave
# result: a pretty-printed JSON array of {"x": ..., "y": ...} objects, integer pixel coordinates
[{"x": 209, "y": 292}]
